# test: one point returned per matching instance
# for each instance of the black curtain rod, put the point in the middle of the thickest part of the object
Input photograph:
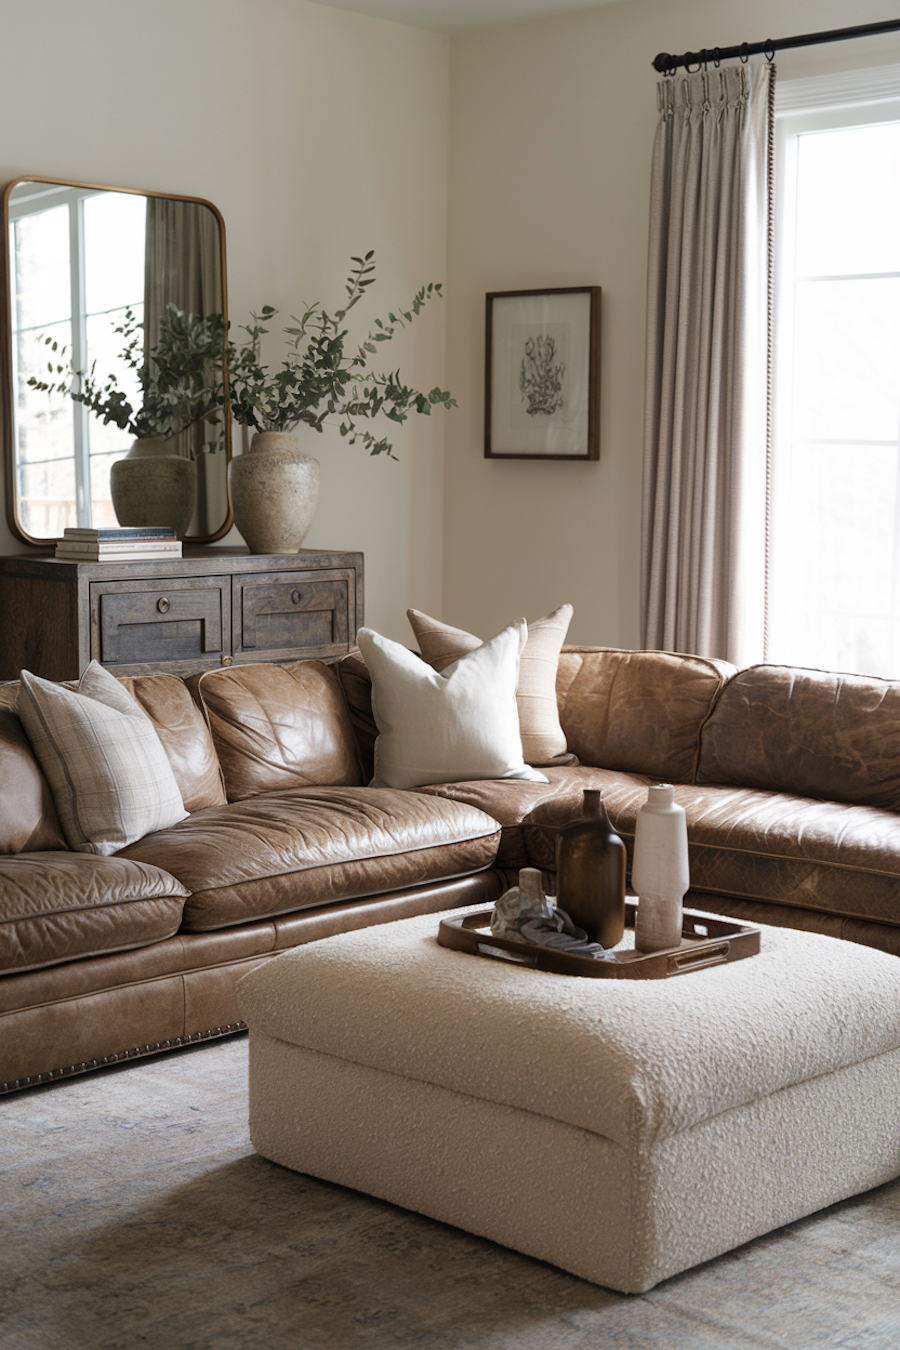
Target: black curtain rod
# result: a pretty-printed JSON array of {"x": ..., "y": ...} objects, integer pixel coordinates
[{"x": 667, "y": 65}]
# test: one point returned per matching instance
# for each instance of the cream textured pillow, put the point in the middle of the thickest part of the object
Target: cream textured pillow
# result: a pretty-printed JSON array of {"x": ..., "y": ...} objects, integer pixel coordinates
[
  {"x": 450, "y": 726},
  {"x": 543, "y": 739},
  {"x": 110, "y": 778}
]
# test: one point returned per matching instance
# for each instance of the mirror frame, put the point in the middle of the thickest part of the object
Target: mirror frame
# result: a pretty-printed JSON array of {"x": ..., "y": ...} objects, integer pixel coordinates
[{"x": 7, "y": 428}]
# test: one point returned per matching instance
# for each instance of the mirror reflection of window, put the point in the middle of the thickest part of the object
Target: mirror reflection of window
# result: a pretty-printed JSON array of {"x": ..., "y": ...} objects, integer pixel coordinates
[{"x": 77, "y": 263}]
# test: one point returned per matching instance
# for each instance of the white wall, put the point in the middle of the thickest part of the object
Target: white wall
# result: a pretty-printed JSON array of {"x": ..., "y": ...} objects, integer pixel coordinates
[
  {"x": 318, "y": 134},
  {"x": 552, "y": 123}
]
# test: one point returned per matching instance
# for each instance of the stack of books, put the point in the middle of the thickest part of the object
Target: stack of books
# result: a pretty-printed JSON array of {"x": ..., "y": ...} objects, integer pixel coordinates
[{"x": 120, "y": 545}]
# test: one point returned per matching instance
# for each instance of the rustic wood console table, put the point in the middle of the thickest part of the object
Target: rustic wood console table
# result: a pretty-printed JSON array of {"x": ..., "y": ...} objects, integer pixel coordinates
[{"x": 213, "y": 607}]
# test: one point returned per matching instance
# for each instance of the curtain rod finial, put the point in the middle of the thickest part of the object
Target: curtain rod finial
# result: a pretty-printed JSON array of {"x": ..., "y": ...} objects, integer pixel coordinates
[{"x": 662, "y": 62}]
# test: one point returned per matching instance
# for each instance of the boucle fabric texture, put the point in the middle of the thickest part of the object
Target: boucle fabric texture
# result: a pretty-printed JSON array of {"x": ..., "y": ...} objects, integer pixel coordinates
[
  {"x": 680, "y": 1117},
  {"x": 450, "y": 726},
  {"x": 111, "y": 780},
  {"x": 543, "y": 740}
]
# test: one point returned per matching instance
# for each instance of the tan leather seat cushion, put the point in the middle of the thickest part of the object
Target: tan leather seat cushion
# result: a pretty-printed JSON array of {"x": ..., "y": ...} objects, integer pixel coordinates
[
  {"x": 761, "y": 846},
  {"x": 810, "y": 732},
  {"x": 793, "y": 851},
  {"x": 637, "y": 711},
  {"x": 61, "y": 906},
  {"x": 286, "y": 851},
  {"x": 532, "y": 813},
  {"x": 278, "y": 727}
]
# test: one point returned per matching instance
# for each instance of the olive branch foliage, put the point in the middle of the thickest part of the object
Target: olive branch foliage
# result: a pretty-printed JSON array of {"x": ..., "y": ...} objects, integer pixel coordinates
[{"x": 182, "y": 380}]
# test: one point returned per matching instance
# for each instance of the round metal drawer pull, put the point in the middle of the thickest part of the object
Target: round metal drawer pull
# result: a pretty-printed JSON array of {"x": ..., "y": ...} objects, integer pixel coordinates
[
  {"x": 163, "y": 605},
  {"x": 296, "y": 597}
]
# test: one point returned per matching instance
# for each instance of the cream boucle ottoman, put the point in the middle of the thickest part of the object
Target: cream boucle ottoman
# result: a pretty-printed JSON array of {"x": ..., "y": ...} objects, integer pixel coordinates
[{"x": 623, "y": 1130}]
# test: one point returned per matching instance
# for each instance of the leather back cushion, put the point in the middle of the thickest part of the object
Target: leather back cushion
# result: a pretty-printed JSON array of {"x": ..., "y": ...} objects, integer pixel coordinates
[
  {"x": 277, "y": 727},
  {"x": 637, "y": 711},
  {"x": 184, "y": 734},
  {"x": 356, "y": 683},
  {"x": 28, "y": 819},
  {"x": 809, "y": 732}
]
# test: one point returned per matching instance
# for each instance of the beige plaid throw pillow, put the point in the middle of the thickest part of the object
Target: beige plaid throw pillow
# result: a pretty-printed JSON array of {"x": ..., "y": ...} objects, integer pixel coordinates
[{"x": 110, "y": 778}]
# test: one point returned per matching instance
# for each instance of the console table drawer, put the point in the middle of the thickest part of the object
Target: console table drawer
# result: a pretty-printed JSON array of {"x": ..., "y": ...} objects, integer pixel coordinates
[
  {"x": 288, "y": 613},
  {"x": 161, "y": 622}
]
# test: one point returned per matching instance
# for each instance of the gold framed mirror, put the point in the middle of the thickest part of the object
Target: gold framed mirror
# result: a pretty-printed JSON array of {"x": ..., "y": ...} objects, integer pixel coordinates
[{"x": 90, "y": 269}]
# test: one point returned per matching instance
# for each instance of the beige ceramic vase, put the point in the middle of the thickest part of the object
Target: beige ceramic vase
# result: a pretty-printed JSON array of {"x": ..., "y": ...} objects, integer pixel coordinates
[
  {"x": 274, "y": 492},
  {"x": 153, "y": 486}
]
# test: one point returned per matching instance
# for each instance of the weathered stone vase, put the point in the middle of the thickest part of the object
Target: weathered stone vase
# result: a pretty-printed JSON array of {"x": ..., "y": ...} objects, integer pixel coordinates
[
  {"x": 153, "y": 486},
  {"x": 274, "y": 492}
]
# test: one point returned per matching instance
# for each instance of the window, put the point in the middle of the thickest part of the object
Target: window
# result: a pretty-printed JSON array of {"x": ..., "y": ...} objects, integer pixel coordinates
[
  {"x": 833, "y": 587},
  {"x": 77, "y": 260}
]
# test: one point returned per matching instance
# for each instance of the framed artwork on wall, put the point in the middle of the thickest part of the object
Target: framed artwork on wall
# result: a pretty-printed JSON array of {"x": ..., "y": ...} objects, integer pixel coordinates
[{"x": 542, "y": 374}]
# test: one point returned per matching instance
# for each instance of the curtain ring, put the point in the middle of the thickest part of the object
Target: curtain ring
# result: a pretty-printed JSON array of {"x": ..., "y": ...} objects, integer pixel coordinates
[
  {"x": 704, "y": 60},
  {"x": 769, "y": 50},
  {"x": 744, "y": 53},
  {"x": 688, "y": 58},
  {"x": 717, "y": 60}
]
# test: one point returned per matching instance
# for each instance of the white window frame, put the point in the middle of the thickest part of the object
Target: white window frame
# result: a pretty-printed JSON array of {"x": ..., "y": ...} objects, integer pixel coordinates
[{"x": 819, "y": 103}]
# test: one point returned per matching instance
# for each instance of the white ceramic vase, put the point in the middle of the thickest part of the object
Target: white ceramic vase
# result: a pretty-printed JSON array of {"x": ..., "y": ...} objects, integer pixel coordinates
[
  {"x": 153, "y": 486},
  {"x": 274, "y": 492},
  {"x": 660, "y": 873}
]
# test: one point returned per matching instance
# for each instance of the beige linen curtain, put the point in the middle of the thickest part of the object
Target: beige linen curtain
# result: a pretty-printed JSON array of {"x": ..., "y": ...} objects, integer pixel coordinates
[
  {"x": 703, "y": 533},
  {"x": 183, "y": 267}
]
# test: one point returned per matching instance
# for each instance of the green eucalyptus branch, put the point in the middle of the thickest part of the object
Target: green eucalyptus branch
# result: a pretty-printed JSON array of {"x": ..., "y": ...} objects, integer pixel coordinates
[
  {"x": 319, "y": 379},
  {"x": 181, "y": 382}
]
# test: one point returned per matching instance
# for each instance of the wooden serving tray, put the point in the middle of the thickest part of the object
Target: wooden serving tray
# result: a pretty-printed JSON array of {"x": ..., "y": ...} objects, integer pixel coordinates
[{"x": 705, "y": 942}]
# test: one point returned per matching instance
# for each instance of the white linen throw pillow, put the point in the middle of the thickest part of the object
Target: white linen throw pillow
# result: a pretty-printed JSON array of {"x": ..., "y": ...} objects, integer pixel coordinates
[
  {"x": 108, "y": 772},
  {"x": 543, "y": 739},
  {"x": 447, "y": 726}
]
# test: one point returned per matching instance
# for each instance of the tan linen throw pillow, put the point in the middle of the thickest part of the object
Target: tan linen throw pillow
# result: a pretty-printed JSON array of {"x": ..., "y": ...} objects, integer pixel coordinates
[
  {"x": 450, "y": 726},
  {"x": 543, "y": 739},
  {"x": 108, "y": 772}
]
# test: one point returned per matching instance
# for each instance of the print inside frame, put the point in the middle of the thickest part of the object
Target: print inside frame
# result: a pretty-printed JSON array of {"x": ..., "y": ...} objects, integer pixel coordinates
[{"x": 542, "y": 374}]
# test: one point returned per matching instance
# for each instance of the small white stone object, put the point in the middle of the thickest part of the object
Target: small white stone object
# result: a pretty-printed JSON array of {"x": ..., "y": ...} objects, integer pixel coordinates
[
  {"x": 660, "y": 874},
  {"x": 525, "y": 901}
]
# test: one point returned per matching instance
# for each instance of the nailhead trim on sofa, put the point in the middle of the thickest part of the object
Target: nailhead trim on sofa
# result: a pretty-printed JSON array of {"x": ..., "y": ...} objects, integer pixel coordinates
[{"x": 136, "y": 1053}]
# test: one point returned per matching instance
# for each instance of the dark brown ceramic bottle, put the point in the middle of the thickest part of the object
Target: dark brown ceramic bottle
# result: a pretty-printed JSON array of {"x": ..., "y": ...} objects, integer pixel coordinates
[{"x": 590, "y": 873}]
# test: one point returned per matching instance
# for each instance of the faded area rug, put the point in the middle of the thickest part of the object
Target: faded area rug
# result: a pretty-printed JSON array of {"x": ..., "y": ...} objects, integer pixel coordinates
[{"x": 134, "y": 1212}]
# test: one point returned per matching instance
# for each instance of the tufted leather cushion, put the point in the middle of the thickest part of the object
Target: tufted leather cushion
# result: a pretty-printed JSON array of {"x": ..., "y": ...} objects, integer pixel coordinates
[
  {"x": 287, "y": 851},
  {"x": 810, "y": 732},
  {"x": 635, "y": 710},
  {"x": 63, "y": 906}
]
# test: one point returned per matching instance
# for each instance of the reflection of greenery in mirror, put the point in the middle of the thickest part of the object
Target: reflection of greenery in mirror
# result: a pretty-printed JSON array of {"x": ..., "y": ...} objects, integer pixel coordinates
[{"x": 80, "y": 258}]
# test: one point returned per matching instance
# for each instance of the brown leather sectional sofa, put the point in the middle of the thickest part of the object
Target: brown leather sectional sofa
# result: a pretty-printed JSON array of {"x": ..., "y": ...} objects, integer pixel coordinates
[{"x": 790, "y": 780}]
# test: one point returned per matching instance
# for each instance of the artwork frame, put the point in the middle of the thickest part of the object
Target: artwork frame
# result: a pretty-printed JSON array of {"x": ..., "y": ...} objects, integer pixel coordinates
[{"x": 542, "y": 360}]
